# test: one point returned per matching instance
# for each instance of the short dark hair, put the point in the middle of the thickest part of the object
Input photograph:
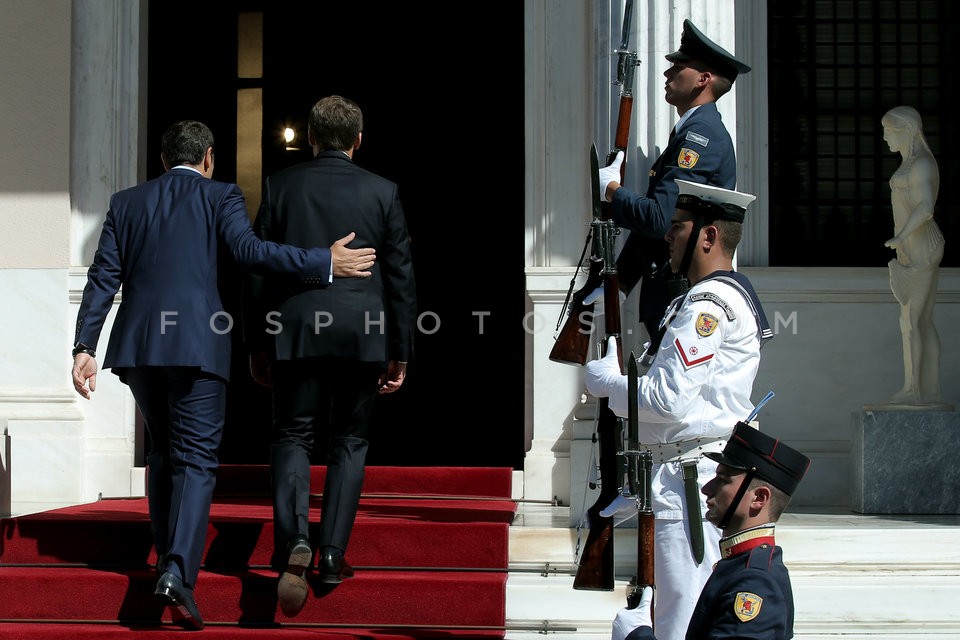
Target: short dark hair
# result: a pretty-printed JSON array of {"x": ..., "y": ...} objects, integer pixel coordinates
[
  {"x": 185, "y": 142},
  {"x": 778, "y": 499},
  {"x": 730, "y": 233},
  {"x": 335, "y": 122},
  {"x": 721, "y": 85}
]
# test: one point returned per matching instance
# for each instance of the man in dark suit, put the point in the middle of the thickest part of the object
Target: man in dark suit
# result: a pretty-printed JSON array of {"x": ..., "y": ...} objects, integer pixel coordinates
[
  {"x": 699, "y": 150},
  {"x": 329, "y": 353},
  {"x": 170, "y": 341}
]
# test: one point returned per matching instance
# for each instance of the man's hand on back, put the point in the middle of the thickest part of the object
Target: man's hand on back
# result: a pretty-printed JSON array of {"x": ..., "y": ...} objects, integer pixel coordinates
[{"x": 351, "y": 263}]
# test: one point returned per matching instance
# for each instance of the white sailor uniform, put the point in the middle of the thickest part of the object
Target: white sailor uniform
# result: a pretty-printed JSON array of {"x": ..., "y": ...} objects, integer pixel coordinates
[{"x": 697, "y": 388}]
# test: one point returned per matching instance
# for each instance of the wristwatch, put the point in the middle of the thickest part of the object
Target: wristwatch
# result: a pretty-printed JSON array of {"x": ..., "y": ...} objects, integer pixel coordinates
[{"x": 82, "y": 348}]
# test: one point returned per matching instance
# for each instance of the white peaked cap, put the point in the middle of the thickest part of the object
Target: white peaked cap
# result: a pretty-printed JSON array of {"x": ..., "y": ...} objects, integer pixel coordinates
[{"x": 728, "y": 205}]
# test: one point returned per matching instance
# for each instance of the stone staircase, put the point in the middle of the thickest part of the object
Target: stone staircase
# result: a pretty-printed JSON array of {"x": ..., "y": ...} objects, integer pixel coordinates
[{"x": 855, "y": 577}]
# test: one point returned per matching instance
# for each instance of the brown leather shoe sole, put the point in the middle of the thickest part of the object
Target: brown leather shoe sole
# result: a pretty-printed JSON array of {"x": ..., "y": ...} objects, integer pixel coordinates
[{"x": 292, "y": 586}]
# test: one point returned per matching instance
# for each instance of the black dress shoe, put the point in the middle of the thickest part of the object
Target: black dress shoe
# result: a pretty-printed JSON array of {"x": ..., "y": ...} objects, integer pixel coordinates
[
  {"x": 171, "y": 591},
  {"x": 334, "y": 568},
  {"x": 292, "y": 586}
]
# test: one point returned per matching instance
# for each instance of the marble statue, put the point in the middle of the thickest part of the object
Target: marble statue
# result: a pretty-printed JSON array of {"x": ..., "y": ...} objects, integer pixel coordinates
[{"x": 919, "y": 249}]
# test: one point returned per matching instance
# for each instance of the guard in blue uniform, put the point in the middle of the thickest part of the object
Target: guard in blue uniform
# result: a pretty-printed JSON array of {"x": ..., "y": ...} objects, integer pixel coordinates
[
  {"x": 749, "y": 593},
  {"x": 699, "y": 150}
]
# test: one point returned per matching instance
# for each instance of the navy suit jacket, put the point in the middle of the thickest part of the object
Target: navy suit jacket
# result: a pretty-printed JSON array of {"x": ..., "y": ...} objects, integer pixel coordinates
[
  {"x": 313, "y": 204},
  {"x": 161, "y": 241}
]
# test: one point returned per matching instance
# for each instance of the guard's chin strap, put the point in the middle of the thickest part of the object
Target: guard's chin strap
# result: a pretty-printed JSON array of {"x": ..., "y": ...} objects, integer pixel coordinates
[
  {"x": 747, "y": 477},
  {"x": 678, "y": 283}
]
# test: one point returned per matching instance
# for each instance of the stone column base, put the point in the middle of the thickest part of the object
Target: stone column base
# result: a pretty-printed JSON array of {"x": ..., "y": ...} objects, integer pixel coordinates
[{"x": 905, "y": 461}]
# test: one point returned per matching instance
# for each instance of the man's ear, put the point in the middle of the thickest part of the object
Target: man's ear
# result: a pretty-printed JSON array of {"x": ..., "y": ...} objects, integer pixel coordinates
[
  {"x": 356, "y": 144},
  {"x": 166, "y": 167},
  {"x": 711, "y": 234},
  {"x": 761, "y": 496},
  {"x": 208, "y": 162}
]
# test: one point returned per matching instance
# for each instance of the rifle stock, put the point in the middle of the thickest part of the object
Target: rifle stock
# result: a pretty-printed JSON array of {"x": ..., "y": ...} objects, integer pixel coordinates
[
  {"x": 573, "y": 342},
  {"x": 596, "y": 569},
  {"x": 645, "y": 531},
  {"x": 622, "y": 137}
]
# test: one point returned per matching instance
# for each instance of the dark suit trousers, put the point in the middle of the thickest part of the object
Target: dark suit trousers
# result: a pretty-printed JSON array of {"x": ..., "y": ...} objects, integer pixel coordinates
[
  {"x": 326, "y": 396},
  {"x": 184, "y": 411}
]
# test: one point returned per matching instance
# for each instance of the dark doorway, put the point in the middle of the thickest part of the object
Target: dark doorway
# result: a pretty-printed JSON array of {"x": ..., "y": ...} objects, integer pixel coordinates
[{"x": 443, "y": 118}]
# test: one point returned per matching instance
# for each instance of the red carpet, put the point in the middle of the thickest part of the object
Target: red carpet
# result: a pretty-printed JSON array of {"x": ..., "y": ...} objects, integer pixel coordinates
[{"x": 429, "y": 546}]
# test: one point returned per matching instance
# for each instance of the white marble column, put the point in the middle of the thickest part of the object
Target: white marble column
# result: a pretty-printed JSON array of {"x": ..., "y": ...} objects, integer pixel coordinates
[
  {"x": 107, "y": 112},
  {"x": 558, "y": 118}
]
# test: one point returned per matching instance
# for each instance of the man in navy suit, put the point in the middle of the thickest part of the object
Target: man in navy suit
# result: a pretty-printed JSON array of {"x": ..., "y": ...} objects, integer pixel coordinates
[
  {"x": 170, "y": 341},
  {"x": 328, "y": 353},
  {"x": 699, "y": 150}
]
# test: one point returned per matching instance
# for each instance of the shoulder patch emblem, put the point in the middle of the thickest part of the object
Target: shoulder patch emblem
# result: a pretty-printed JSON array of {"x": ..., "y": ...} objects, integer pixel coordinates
[
  {"x": 687, "y": 158},
  {"x": 747, "y": 606},
  {"x": 699, "y": 139},
  {"x": 706, "y": 324}
]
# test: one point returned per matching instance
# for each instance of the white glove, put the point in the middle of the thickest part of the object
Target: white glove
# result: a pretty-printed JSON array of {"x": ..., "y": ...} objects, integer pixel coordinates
[
  {"x": 628, "y": 620},
  {"x": 603, "y": 374},
  {"x": 597, "y": 294},
  {"x": 620, "y": 504},
  {"x": 610, "y": 173}
]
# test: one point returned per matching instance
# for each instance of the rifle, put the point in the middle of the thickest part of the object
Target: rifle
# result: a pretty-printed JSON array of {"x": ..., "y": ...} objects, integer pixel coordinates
[
  {"x": 596, "y": 566},
  {"x": 639, "y": 479},
  {"x": 573, "y": 339},
  {"x": 645, "y": 533}
]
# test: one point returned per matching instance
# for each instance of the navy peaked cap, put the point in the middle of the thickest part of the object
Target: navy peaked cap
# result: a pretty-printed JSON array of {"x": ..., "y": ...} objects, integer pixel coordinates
[
  {"x": 696, "y": 46},
  {"x": 770, "y": 459}
]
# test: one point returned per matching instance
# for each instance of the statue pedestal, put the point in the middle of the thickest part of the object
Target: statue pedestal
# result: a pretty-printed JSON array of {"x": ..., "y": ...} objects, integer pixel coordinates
[{"x": 905, "y": 461}]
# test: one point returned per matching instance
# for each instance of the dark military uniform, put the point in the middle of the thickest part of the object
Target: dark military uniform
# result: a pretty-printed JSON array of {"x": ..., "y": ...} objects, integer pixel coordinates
[
  {"x": 700, "y": 150},
  {"x": 748, "y": 595}
]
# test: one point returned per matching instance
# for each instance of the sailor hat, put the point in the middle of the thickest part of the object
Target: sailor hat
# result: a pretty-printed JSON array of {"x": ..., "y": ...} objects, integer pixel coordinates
[
  {"x": 713, "y": 203},
  {"x": 696, "y": 46}
]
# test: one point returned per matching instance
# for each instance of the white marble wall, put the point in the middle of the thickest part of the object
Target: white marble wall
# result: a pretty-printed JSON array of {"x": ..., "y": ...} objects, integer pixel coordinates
[
  {"x": 72, "y": 75},
  {"x": 57, "y": 448},
  {"x": 837, "y": 348}
]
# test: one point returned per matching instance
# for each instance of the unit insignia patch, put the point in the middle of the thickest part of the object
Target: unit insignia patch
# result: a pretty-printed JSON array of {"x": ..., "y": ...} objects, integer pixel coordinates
[
  {"x": 706, "y": 324},
  {"x": 688, "y": 158},
  {"x": 747, "y": 606}
]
